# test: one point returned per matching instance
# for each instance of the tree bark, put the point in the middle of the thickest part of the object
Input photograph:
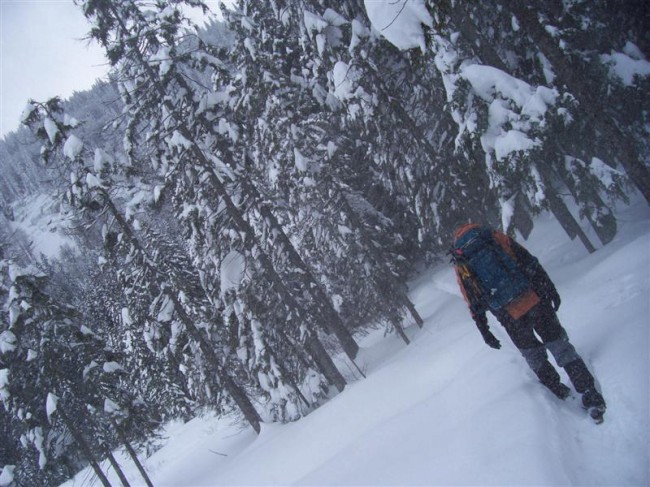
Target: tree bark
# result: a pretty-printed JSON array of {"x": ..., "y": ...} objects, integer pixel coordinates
[
  {"x": 132, "y": 453},
  {"x": 322, "y": 358},
  {"x": 562, "y": 213},
  {"x": 250, "y": 241},
  {"x": 117, "y": 468},
  {"x": 309, "y": 282},
  {"x": 374, "y": 255},
  {"x": 233, "y": 389},
  {"x": 567, "y": 221},
  {"x": 400, "y": 331},
  {"x": 85, "y": 447}
]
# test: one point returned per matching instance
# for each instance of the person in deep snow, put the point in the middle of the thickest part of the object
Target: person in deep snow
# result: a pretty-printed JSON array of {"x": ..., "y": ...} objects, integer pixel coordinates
[{"x": 525, "y": 301}]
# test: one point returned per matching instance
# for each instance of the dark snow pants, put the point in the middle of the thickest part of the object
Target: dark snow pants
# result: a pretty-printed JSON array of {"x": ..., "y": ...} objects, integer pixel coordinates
[{"x": 541, "y": 320}]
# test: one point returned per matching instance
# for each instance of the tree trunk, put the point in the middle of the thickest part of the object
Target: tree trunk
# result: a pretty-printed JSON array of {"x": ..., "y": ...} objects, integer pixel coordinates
[
  {"x": 562, "y": 213},
  {"x": 570, "y": 225},
  {"x": 233, "y": 389},
  {"x": 309, "y": 282},
  {"x": 321, "y": 357},
  {"x": 603, "y": 224},
  {"x": 85, "y": 447},
  {"x": 322, "y": 360},
  {"x": 521, "y": 218},
  {"x": 117, "y": 468},
  {"x": 379, "y": 262},
  {"x": 461, "y": 18},
  {"x": 132, "y": 453},
  {"x": 285, "y": 376},
  {"x": 235, "y": 392},
  {"x": 400, "y": 331}
]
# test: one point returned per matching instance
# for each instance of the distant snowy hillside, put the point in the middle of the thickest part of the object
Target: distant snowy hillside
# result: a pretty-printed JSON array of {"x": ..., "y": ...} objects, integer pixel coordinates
[
  {"x": 44, "y": 227},
  {"x": 448, "y": 410}
]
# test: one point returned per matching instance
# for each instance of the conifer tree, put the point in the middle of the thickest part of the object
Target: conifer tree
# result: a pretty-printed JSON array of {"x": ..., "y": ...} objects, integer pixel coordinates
[
  {"x": 40, "y": 377},
  {"x": 183, "y": 144},
  {"x": 292, "y": 158},
  {"x": 144, "y": 278}
]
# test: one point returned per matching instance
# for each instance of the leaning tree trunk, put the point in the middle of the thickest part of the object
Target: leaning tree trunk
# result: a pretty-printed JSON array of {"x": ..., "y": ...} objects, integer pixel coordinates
[
  {"x": 132, "y": 453},
  {"x": 250, "y": 241},
  {"x": 323, "y": 304},
  {"x": 374, "y": 255},
  {"x": 84, "y": 446},
  {"x": 231, "y": 387},
  {"x": 606, "y": 230},
  {"x": 562, "y": 213},
  {"x": 116, "y": 467}
]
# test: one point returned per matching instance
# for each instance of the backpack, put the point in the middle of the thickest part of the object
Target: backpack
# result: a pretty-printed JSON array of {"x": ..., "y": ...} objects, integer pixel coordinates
[{"x": 493, "y": 271}]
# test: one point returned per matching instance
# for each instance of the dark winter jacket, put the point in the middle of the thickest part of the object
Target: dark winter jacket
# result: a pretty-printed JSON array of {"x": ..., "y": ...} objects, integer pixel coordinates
[{"x": 542, "y": 288}]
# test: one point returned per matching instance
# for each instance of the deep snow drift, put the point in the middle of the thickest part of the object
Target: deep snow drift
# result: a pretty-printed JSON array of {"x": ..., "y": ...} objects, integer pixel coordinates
[{"x": 449, "y": 410}]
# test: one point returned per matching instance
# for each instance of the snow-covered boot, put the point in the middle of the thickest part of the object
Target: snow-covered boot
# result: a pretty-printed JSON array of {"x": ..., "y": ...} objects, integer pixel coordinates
[{"x": 594, "y": 402}]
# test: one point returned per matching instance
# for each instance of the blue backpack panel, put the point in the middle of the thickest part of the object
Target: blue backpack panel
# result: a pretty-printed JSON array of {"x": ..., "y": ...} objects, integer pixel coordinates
[{"x": 495, "y": 272}]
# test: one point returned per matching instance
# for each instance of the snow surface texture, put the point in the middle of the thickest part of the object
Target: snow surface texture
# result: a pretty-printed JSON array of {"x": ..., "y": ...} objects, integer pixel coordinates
[{"x": 448, "y": 410}]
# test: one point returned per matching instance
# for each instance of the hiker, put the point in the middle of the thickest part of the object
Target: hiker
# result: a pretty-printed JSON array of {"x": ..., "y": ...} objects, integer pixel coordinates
[{"x": 498, "y": 275}]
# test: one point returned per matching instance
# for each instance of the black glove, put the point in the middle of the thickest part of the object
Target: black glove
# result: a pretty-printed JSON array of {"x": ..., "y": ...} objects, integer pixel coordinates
[
  {"x": 491, "y": 340},
  {"x": 488, "y": 337}
]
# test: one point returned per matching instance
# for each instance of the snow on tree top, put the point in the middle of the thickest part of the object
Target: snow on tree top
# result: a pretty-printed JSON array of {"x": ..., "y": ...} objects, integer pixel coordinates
[
  {"x": 7, "y": 475},
  {"x": 400, "y": 22},
  {"x": 27, "y": 112},
  {"x": 92, "y": 181},
  {"x": 344, "y": 76},
  {"x": 110, "y": 367},
  {"x": 102, "y": 160},
  {"x": 72, "y": 147},
  {"x": 51, "y": 404},
  {"x": 7, "y": 342},
  {"x": 51, "y": 129},
  {"x": 177, "y": 140},
  {"x": 163, "y": 59},
  {"x": 489, "y": 82},
  {"x": 4, "y": 378},
  {"x": 233, "y": 268},
  {"x": 110, "y": 406},
  {"x": 627, "y": 65}
]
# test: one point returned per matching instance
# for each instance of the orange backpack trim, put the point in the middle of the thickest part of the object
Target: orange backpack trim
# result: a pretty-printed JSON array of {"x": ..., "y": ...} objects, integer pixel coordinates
[{"x": 523, "y": 304}]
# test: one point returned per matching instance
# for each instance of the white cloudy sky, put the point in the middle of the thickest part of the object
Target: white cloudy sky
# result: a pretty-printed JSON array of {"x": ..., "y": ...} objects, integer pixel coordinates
[{"x": 43, "y": 54}]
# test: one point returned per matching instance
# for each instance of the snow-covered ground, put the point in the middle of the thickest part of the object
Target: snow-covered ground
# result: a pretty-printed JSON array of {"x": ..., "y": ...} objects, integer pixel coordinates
[{"x": 448, "y": 410}]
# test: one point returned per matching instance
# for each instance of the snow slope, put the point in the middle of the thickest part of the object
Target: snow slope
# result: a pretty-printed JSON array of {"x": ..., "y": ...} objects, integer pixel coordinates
[
  {"x": 39, "y": 219},
  {"x": 448, "y": 410}
]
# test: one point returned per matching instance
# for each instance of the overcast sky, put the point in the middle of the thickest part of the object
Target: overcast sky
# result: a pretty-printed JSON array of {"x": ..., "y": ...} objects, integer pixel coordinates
[{"x": 43, "y": 54}]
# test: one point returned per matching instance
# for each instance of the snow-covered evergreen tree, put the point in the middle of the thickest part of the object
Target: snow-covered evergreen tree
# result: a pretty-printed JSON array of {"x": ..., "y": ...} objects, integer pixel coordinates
[
  {"x": 517, "y": 123},
  {"x": 142, "y": 271},
  {"x": 183, "y": 140}
]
